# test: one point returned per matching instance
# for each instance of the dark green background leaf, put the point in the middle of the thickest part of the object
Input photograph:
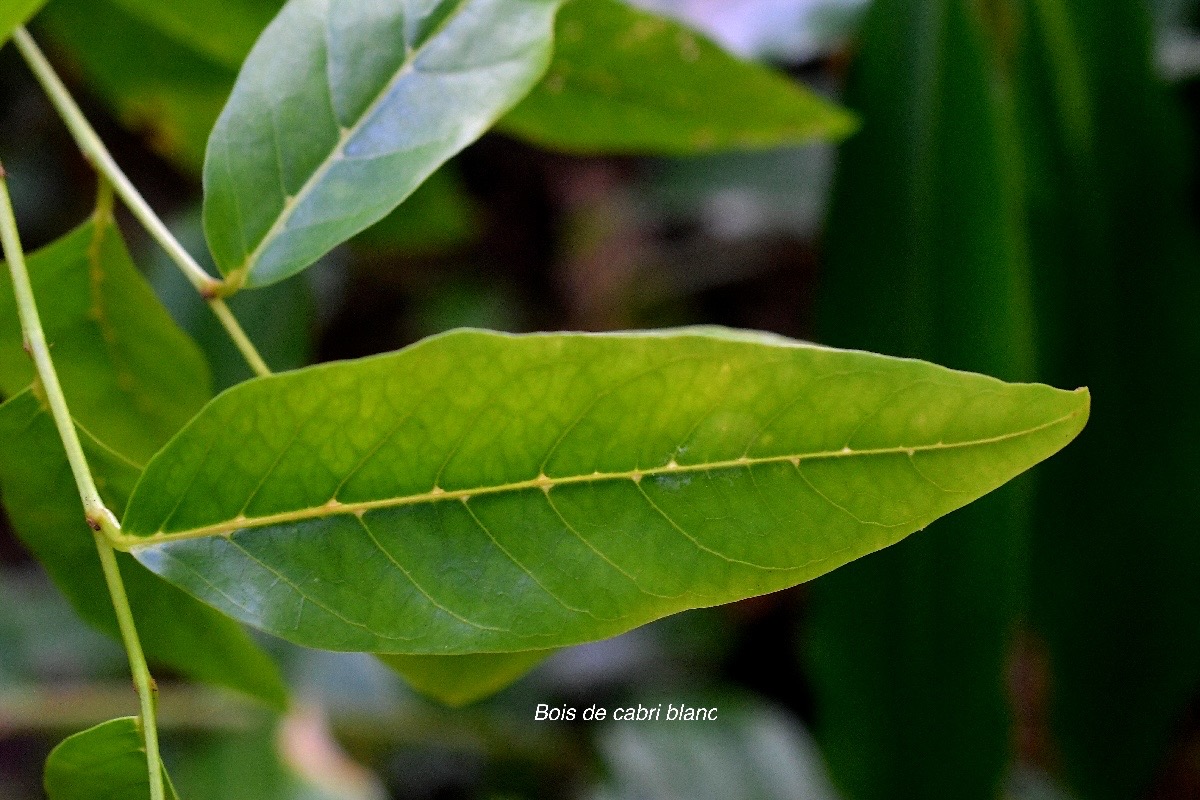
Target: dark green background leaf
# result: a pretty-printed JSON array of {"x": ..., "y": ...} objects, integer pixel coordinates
[
  {"x": 623, "y": 80},
  {"x": 332, "y": 123},
  {"x": 1116, "y": 588},
  {"x": 909, "y": 648},
  {"x": 444, "y": 500},
  {"x": 130, "y": 376},
  {"x": 107, "y": 762}
]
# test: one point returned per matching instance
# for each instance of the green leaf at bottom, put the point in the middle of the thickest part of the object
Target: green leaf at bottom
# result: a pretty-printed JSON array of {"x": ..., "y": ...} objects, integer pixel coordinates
[
  {"x": 107, "y": 762},
  {"x": 480, "y": 492}
]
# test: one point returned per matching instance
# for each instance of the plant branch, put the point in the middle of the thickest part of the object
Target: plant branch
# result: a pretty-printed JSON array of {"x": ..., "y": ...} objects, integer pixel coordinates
[
  {"x": 94, "y": 150},
  {"x": 99, "y": 518}
]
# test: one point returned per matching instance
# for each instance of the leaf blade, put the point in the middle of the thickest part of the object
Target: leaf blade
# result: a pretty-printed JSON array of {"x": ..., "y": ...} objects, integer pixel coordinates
[
  {"x": 107, "y": 762},
  {"x": 623, "y": 80},
  {"x": 546, "y": 513},
  {"x": 331, "y": 125}
]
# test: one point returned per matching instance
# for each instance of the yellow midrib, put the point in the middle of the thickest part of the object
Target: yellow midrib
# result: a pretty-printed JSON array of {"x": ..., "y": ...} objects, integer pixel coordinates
[{"x": 333, "y": 507}]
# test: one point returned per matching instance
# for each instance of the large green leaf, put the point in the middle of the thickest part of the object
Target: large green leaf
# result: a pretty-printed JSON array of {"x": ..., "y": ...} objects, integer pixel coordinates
[
  {"x": 130, "y": 375},
  {"x": 342, "y": 110},
  {"x": 627, "y": 81},
  {"x": 45, "y": 511},
  {"x": 482, "y": 492},
  {"x": 107, "y": 762},
  {"x": 459, "y": 680},
  {"x": 1116, "y": 559},
  {"x": 14, "y": 13},
  {"x": 909, "y": 649}
]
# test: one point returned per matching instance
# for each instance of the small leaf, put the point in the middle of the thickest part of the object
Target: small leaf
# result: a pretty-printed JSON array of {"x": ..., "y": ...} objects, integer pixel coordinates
[
  {"x": 342, "y": 110},
  {"x": 130, "y": 376},
  {"x": 107, "y": 762},
  {"x": 14, "y": 13},
  {"x": 481, "y": 492},
  {"x": 460, "y": 680},
  {"x": 46, "y": 514},
  {"x": 623, "y": 80}
]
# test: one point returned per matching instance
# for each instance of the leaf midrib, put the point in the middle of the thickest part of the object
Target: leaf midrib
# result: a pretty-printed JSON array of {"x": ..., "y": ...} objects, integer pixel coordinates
[
  {"x": 290, "y": 204},
  {"x": 335, "y": 508}
]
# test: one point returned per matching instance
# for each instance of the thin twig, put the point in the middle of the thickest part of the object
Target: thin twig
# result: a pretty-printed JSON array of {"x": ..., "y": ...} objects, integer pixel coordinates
[{"x": 209, "y": 288}]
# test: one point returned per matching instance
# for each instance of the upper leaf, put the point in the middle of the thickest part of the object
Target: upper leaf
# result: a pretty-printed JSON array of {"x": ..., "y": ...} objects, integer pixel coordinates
[
  {"x": 623, "y": 80},
  {"x": 130, "y": 376},
  {"x": 107, "y": 762},
  {"x": 342, "y": 110},
  {"x": 481, "y": 492}
]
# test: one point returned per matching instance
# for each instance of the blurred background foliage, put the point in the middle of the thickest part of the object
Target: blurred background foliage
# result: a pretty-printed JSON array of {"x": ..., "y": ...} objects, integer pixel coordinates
[{"x": 1020, "y": 199}]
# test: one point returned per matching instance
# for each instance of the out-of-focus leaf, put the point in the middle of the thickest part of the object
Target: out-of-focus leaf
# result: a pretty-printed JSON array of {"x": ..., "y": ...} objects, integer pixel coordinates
[
  {"x": 222, "y": 30},
  {"x": 14, "y": 13},
  {"x": 750, "y": 752},
  {"x": 46, "y": 513},
  {"x": 1116, "y": 557},
  {"x": 481, "y": 492},
  {"x": 623, "y": 80},
  {"x": 342, "y": 110},
  {"x": 459, "y": 680},
  {"x": 908, "y": 648},
  {"x": 438, "y": 215},
  {"x": 130, "y": 376},
  {"x": 107, "y": 762},
  {"x": 155, "y": 82}
]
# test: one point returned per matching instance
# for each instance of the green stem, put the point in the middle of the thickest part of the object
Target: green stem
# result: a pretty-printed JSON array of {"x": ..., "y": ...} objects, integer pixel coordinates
[
  {"x": 147, "y": 689},
  {"x": 99, "y": 518},
  {"x": 94, "y": 150}
]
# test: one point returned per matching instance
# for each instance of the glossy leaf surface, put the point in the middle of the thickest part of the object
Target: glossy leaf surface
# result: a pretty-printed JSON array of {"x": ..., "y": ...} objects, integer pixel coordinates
[
  {"x": 130, "y": 376},
  {"x": 107, "y": 762},
  {"x": 623, "y": 80},
  {"x": 46, "y": 514},
  {"x": 909, "y": 649},
  {"x": 342, "y": 110},
  {"x": 1112, "y": 228},
  {"x": 481, "y": 492},
  {"x": 459, "y": 680}
]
